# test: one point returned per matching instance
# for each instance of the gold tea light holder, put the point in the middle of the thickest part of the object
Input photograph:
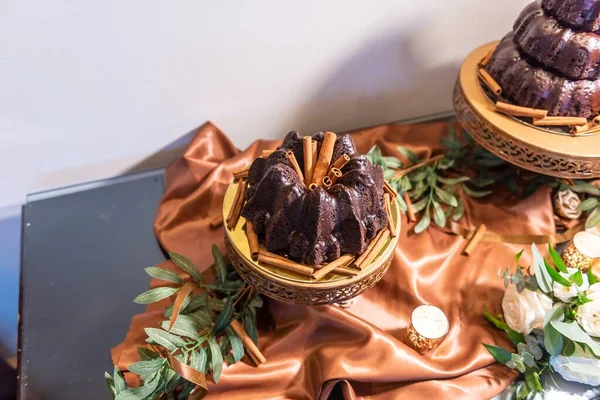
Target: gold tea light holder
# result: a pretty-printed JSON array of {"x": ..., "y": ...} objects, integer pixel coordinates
[
  {"x": 295, "y": 288},
  {"x": 583, "y": 251},
  {"x": 428, "y": 326}
]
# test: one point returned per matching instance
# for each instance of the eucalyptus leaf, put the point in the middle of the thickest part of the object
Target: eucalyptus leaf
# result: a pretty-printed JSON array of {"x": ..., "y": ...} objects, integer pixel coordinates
[
  {"x": 409, "y": 154},
  {"x": 593, "y": 219},
  {"x": 542, "y": 277},
  {"x": 423, "y": 223},
  {"x": 146, "y": 368},
  {"x": 186, "y": 265},
  {"x": 553, "y": 340},
  {"x": 569, "y": 348},
  {"x": 557, "y": 259},
  {"x": 216, "y": 358},
  {"x": 163, "y": 274},
  {"x": 475, "y": 193},
  {"x": 224, "y": 317},
  {"x": 110, "y": 384},
  {"x": 588, "y": 204},
  {"x": 438, "y": 214},
  {"x": 459, "y": 211},
  {"x": 418, "y": 206},
  {"x": 237, "y": 347},
  {"x": 119, "y": 381},
  {"x": 446, "y": 197},
  {"x": 574, "y": 332},
  {"x": 220, "y": 267},
  {"x": 154, "y": 295},
  {"x": 453, "y": 181},
  {"x": 165, "y": 339},
  {"x": 499, "y": 354}
]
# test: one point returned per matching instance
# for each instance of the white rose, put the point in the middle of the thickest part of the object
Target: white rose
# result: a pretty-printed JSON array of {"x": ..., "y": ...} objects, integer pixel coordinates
[
  {"x": 593, "y": 293},
  {"x": 572, "y": 368},
  {"x": 525, "y": 311},
  {"x": 588, "y": 316},
  {"x": 564, "y": 293}
]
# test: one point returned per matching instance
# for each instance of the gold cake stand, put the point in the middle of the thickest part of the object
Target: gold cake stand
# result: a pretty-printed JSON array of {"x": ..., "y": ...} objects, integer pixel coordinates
[
  {"x": 514, "y": 141},
  {"x": 294, "y": 288}
]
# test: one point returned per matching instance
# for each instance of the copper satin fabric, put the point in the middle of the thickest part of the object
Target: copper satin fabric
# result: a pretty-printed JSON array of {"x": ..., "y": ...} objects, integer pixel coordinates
[{"x": 310, "y": 349}]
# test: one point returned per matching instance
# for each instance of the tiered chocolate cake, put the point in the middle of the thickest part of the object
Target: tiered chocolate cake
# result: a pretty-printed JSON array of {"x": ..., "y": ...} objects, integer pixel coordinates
[
  {"x": 551, "y": 59},
  {"x": 315, "y": 223}
]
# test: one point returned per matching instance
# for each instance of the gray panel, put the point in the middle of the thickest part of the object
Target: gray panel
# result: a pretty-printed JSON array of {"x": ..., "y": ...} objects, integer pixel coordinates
[{"x": 84, "y": 251}]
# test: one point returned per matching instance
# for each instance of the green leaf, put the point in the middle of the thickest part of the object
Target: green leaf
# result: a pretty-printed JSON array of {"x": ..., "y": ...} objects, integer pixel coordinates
[
  {"x": 475, "y": 193},
  {"x": 518, "y": 256},
  {"x": 532, "y": 381},
  {"x": 237, "y": 347},
  {"x": 184, "y": 326},
  {"x": 409, "y": 154},
  {"x": 110, "y": 384},
  {"x": 499, "y": 354},
  {"x": 593, "y": 219},
  {"x": 165, "y": 339},
  {"x": 591, "y": 277},
  {"x": 553, "y": 340},
  {"x": 154, "y": 295},
  {"x": 481, "y": 182},
  {"x": 402, "y": 204},
  {"x": 577, "y": 278},
  {"x": 584, "y": 369},
  {"x": 216, "y": 358},
  {"x": 582, "y": 187},
  {"x": 146, "y": 368},
  {"x": 220, "y": 266},
  {"x": 423, "y": 223},
  {"x": 557, "y": 260},
  {"x": 515, "y": 336},
  {"x": 450, "y": 144},
  {"x": 199, "y": 359},
  {"x": 143, "y": 392},
  {"x": 392, "y": 162},
  {"x": 374, "y": 155},
  {"x": 541, "y": 274},
  {"x": 495, "y": 321},
  {"x": 418, "y": 206},
  {"x": 588, "y": 204},
  {"x": 446, "y": 197},
  {"x": 438, "y": 214},
  {"x": 163, "y": 274},
  {"x": 146, "y": 354},
  {"x": 574, "y": 332},
  {"x": 186, "y": 265},
  {"x": 250, "y": 327},
  {"x": 569, "y": 348},
  {"x": 119, "y": 381},
  {"x": 224, "y": 317},
  {"x": 459, "y": 211},
  {"x": 453, "y": 181},
  {"x": 556, "y": 277}
]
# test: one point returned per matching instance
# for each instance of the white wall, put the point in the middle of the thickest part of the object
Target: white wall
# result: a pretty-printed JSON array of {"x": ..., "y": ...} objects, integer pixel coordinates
[{"x": 90, "y": 88}]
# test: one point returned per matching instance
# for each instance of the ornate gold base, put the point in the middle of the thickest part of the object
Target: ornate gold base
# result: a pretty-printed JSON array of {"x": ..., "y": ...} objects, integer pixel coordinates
[
  {"x": 520, "y": 144},
  {"x": 293, "y": 288}
]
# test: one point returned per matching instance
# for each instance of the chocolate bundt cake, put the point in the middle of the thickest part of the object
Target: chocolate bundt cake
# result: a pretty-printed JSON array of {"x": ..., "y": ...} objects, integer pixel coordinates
[
  {"x": 580, "y": 14},
  {"x": 315, "y": 226},
  {"x": 527, "y": 84},
  {"x": 546, "y": 64}
]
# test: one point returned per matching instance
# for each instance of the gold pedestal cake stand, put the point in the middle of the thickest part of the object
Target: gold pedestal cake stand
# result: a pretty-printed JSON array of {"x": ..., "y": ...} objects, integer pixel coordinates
[
  {"x": 515, "y": 141},
  {"x": 294, "y": 288}
]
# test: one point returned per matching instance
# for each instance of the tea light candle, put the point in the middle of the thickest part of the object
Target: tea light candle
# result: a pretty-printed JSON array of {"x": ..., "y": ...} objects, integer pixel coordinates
[
  {"x": 580, "y": 252},
  {"x": 428, "y": 326}
]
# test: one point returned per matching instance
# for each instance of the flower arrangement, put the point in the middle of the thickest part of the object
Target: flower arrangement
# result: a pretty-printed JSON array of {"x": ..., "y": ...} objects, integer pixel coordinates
[{"x": 552, "y": 316}]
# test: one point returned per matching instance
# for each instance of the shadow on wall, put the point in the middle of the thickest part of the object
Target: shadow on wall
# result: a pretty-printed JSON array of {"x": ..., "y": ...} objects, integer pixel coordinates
[
  {"x": 381, "y": 83},
  {"x": 10, "y": 229}
]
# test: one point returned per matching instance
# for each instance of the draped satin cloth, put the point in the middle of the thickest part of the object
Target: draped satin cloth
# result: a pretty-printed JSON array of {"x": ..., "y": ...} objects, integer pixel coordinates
[{"x": 310, "y": 349}]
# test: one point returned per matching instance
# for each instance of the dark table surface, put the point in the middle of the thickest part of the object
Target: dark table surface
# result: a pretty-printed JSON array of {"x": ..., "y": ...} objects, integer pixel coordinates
[{"x": 83, "y": 253}]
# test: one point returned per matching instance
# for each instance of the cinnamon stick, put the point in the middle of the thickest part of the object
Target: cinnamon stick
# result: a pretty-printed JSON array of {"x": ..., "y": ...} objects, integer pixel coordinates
[
  {"x": 582, "y": 128},
  {"x": 312, "y": 186},
  {"x": 334, "y": 175},
  {"x": 400, "y": 173},
  {"x": 292, "y": 159},
  {"x": 327, "y": 182},
  {"x": 240, "y": 175},
  {"x": 236, "y": 209},
  {"x": 252, "y": 240},
  {"x": 389, "y": 190},
  {"x": 341, "y": 161},
  {"x": 490, "y": 82},
  {"x": 216, "y": 221},
  {"x": 338, "y": 270},
  {"x": 375, "y": 249},
  {"x": 388, "y": 211},
  {"x": 245, "y": 169},
  {"x": 332, "y": 266},
  {"x": 486, "y": 60},
  {"x": 285, "y": 264},
  {"x": 247, "y": 341},
  {"x": 365, "y": 253},
  {"x": 596, "y": 120},
  {"x": 324, "y": 158},
  {"x": 267, "y": 153},
  {"x": 410, "y": 213},
  {"x": 308, "y": 161},
  {"x": 519, "y": 111},
  {"x": 475, "y": 240},
  {"x": 315, "y": 156},
  {"x": 560, "y": 121}
]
